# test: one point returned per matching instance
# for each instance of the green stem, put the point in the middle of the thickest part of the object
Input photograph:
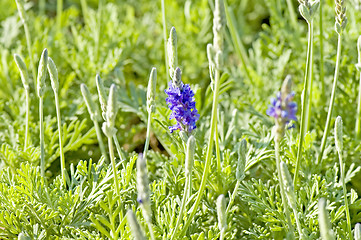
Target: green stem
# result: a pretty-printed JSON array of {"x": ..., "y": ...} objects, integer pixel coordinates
[
  {"x": 59, "y": 13},
  {"x": 165, "y": 39},
  {"x": 100, "y": 140},
  {"x": 62, "y": 159},
  {"x": 146, "y": 145},
  {"x": 358, "y": 117},
  {"x": 117, "y": 146},
  {"x": 28, "y": 42},
  {"x": 112, "y": 159},
  {"x": 292, "y": 13},
  {"x": 299, "y": 228},
  {"x": 240, "y": 49},
  {"x": 233, "y": 196},
  {"x": 208, "y": 155},
  {"x": 27, "y": 139},
  {"x": 310, "y": 80},
  {"x": 282, "y": 188},
  {"x": 332, "y": 100},
  {"x": 342, "y": 168},
  {"x": 42, "y": 150},
  {"x": 304, "y": 107},
  {"x": 218, "y": 154},
  {"x": 151, "y": 231},
  {"x": 322, "y": 71},
  {"x": 97, "y": 33},
  {"x": 183, "y": 204},
  {"x": 222, "y": 234}
]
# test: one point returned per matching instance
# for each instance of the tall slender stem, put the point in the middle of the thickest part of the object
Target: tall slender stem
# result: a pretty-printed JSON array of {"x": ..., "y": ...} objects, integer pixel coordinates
[
  {"x": 183, "y": 204},
  {"x": 322, "y": 71},
  {"x": 112, "y": 159},
  {"x": 27, "y": 137},
  {"x": 298, "y": 224},
  {"x": 30, "y": 52},
  {"x": 310, "y": 80},
  {"x": 233, "y": 196},
  {"x": 304, "y": 107},
  {"x": 208, "y": 155},
  {"x": 342, "y": 168},
  {"x": 117, "y": 146},
  {"x": 42, "y": 150},
  {"x": 292, "y": 13},
  {"x": 358, "y": 117},
  {"x": 59, "y": 13},
  {"x": 146, "y": 145},
  {"x": 282, "y": 188},
  {"x": 218, "y": 154},
  {"x": 62, "y": 159},
  {"x": 332, "y": 100},
  {"x": 100, "y": 140},
  {"x": 165, "y": 39}
]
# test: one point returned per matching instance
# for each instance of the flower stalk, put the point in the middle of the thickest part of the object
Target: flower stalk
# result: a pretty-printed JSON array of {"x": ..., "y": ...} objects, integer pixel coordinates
[
  {"x": 53, "y": 73},
  {"x": 340, "y": 25},
  {"x": 94, "y": 116},
  {"x": 25, "y": 79},
  {"x": 339, "y": 148},
  {"x": 42, "y": 71}
]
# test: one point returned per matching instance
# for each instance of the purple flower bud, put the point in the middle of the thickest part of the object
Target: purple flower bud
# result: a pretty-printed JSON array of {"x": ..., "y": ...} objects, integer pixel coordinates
[{"x": 181, "y": 101}]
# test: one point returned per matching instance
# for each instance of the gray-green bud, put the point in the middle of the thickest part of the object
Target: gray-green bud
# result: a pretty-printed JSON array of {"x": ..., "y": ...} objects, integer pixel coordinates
[
  {"x": 338, "y": 134},
  {"x": 219, "y": 60},
  {"x": 172, "y": 51},
  {"x": 23, "y": 71},
  {"x": 112, "y": 109},
  {"x": 92, "y": 109},
  {"x": 102, "y": 95},
  {"x": 152, "y": 90},
  {"x": 137, "y": 232},
  {"x": 305, "y": 12},
  {"x": 42, "y": 70},
  {"x": 53, "y": 73},
  {"x": 324, "y": 221},
  {"x": 357, "y": 231},
  {"x": 221, "y": 212},
  {"x": 143, "y": 188},
  {"x": 190, "y": 155},
  {"x": 177, "y": 78},
  {"x": 287, "y": 179},
  {"x": 219, "y": 22},
  {"x": 242, "y": 159}
]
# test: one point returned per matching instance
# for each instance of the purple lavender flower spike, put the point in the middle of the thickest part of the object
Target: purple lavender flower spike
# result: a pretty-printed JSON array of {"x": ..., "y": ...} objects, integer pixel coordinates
[
  {"x": 283, "y": 109},
  {"x": 181, "y": 101}
]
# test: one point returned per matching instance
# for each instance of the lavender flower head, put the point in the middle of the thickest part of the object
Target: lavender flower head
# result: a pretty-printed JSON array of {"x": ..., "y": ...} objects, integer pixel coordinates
[
  {"x": 181, "y": 101},
  {"x": 282, "y": 108}
]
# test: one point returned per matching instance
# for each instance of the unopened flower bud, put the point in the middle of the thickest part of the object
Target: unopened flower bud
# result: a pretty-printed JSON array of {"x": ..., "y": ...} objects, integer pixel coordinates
[
  {"x": 357, "y": 231},
  {"x": 152, "y": 90},
  {"x": 137, "y": 232},
  {"x": 112, "y": 109},
  {"x": 42, "y": 70},
  {"x": 221, "y": 212},
  {"x": 23, "y": 71},
  {"x": 219, "y": 22},
  {"x": 53, "y": 73},
  {"x": 324, "y": 221},
  {"x": 172, "y": 51},
  {"x": 177, "y": 78},
  {"x": 92, "y": 109},
  {"x": 242, "y": 159},
  {"x": 102, "y": 95},
  {"x": 143, "y": 188},
  {"x": 338, "y": 134}
]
